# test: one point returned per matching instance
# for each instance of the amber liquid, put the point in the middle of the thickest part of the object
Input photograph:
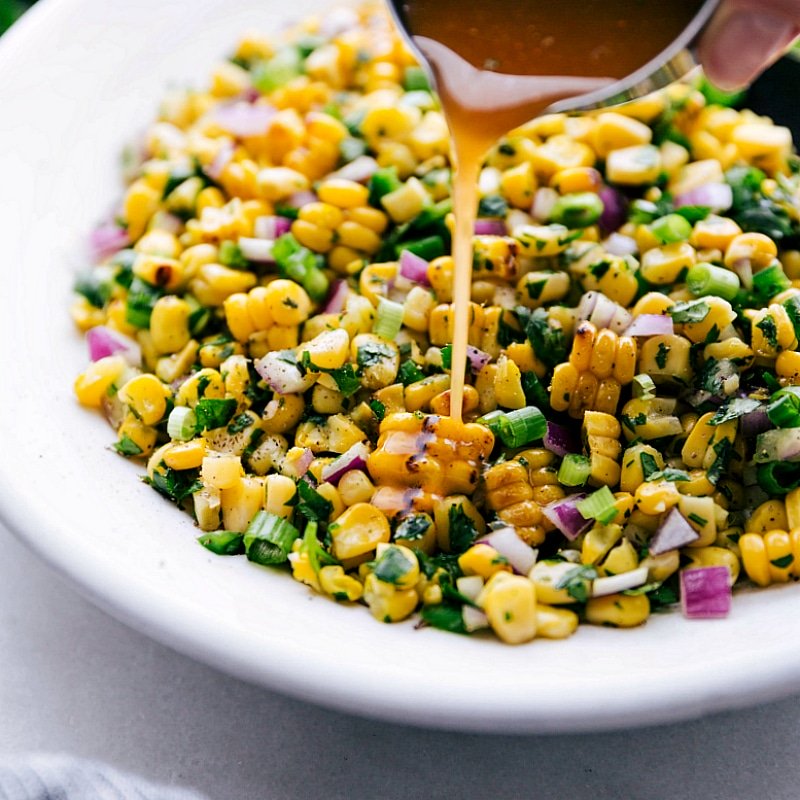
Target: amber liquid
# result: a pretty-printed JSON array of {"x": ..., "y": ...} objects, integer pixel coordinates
[{"x": 500, "y": 63}]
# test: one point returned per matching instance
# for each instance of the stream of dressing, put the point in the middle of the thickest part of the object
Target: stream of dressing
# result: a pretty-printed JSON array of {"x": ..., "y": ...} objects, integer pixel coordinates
[{"x": 500, "y": 63}]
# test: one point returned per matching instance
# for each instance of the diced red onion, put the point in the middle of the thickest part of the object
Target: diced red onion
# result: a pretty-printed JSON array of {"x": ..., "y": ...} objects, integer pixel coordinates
[
  {"x": 619, "y": 583},
  {"x": 244, "y": 119},
  {"x": 674, "y": 532},
  {"x": 489, "y": 181},
  {"x": 250, "y": 94},
  {"x": 520, "y": 555},
  {"x": 560, "y": 440},
  {"x": 360, "y": 170},
  {"x": 716, "y": 196},
  {"x": 615, "y": 209},
  {"x": 587, "y": 304},
  {"x": 650, "y": 325},
  {"x": 258, "y": 250},
  {"x": 566, "y": 517},
  {"x": 477, "y": 359},
  {"x": 221, "y": 160},
  {"x": 490, "y": 227},
  {"x": 706, "y": 592},
  {"x": 619, "y": 245},
  {"x": 778, "y": 445},
  {"x": 336, "y": 298},
  {"x": 271, "y": 227},
  {"x": 414, "y": 267},
  {"x": 743, "y": 267},
  {"x": 104, "y": 341},
  {"x": 353, "y": 458},
  {"x": 608, "y": 314},
  {"x": 105, "y": 240},
  {"x": 281, "y": 376},
  {"x": 543, "y": 201},
  {"x": 754, "y": 422},
  {"x": 304, "y": 462},
  {"x": 303, "y": 198}
]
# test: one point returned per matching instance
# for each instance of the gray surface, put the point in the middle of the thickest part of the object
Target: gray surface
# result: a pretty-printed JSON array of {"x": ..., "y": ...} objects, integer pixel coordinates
[{"x": 72, "y": 679}]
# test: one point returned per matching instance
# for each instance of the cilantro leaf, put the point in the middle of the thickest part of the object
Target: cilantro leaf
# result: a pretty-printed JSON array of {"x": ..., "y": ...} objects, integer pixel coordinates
[
  {"x": 734, "y": 409},
  {"x": 127, "y": 447},
  {"x": 690, "y": 311},
  {"x": 462, "y": 529},
  {"x": 577, "y": 582},
  {"x": 312, "y": 505},
  {"x": 175, "y": 485},
  {"x": 445, "y": 617},
  {"x": 373, "y": 353},
  {"x": 214, "y": 412}
]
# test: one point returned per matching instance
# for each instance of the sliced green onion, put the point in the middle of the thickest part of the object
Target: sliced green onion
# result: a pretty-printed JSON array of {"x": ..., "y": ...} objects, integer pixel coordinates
[
  {"x": 577, "y": 210},
  {"x": 495, "y": 421},
  {"x": 574, "y": 470},
  {"x": 415, "y": 80},
  {"x": 644, "y": 387},
  {"x": 389, "y": 320},
  {"x": 316, "y": 283},
  {"x": 523, "y": 426},
  {"x": 784, "y": 410},
  {"x": 792, "y": 306},
  {"x": 671, "y": 228},
  {"x": 285, "y": 65},
  {"x": 599, "y": 505},
  {"x": 269, "y": 538},
  {"x": 778, "y": 477},
  {"x": 223, "y": 543},
  {"x": 428, "y": 248},
  {"x": 770, "y": 281},
  {"x": 182, "y": 424},
  {"x": 705, "y": 279}
]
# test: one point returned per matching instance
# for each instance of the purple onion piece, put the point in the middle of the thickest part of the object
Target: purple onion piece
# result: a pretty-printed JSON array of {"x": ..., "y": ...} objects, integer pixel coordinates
[
  {"x": 651, "y": 325},
  {"x": 304, "y": 462},
  {"x": 706, "y": 592},
  {"x": 281, "y": 376},
  {"x": 716, "y": 196},
  {"x": 257, "y": 250},
  {"x": 359, "y": 170},
  {"x": 615, "y": 209},
  {"x": 219, "y": 162},
  {"x": 244, "y": 119},
  {"x": 560, "y": 440},
  {"x": 490, "y": 227},
  {"x": 755, "y": 422},
  {"x": 105, "y": 240},
  {"x": 674, "y": 532},
  {"x": 619, "y": 245},
  {"x": 414, "y": 267},
  {"x": 271, "y": 227},
  {"x": 543, "y": 201},
  {"x": 336, "y": 298},
  {"x": 508, "y": 543},
  {"x": 104, "y": 341},
  {"x": 353, "y": 458},
  {"x": 566, "y": 517},
  {"x": 300, "y": 199},
  {"x": 477, "y": 359},
  {"x": 587, "y": 304}
]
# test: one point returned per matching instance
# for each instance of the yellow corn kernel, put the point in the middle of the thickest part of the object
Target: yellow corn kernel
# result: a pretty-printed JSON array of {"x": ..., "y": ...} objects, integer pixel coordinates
[
  {"x": 241, "y": 502},
  {"x": 343, "y": 193},
  {"x": 762, "y": 143},
  {"x": 614, "y": 131},
  {"x": 653, "y": 303},
  {"x": 663, "y": 265},
  {"x": 279, "y": 492},
  {"x": 387, "y": 603},
  {"x": 221, "y": 471},
  {"x": 407, "y": 202},
  {"x": 287, "y": 302},
  {"x": 140, "y": 203},
  {"x": 169, "y": 324},
  {"x": 656, "y": 497},
  {"x": 714, "y": 557},
  {"x": 143, "y": 436},
  {"x": 561, "y": 152},
  {"x": 598, "y": 542},
  {"x": 695, "y": 174},
  {"x": 95, "y": 382},
  {"x": 338, "y": 585},
  {"x": 542, "y": 240},
  {"x": 551, "y": 579},
  {"x": 618, "y": 610},
  {"x": 444, "y": 513},
  {"x": 518, "y": 184},
  {"x": 214, "y": 282},
  {"x": 555, "y": 623},
  {"x": 666, "y": 359},
  {"x": 358, "y": 531},
  {"x": 161, "y": 271},
  {"x": 720, "y": 315},
  {"x": 186, "y": 455},
  {"x": 323, "y": 215},
  {"x": 277, "y": 183},
  {"x": 634, "y": 165},
  {"x": 170, "y": 368},
  {"x": 355, "y": 487},
  {"x": 577, "y": 179},
  {"x": 756, "y": 248},
  {"x": 482, "y": 560},
  {"x": 787, "y": 367},
  {"x": 769, "y": 516},
  {"x": 508, "y": 384},
  {"x": 509, "y": 602},
  {"x": 430, "y": 138},
  {"x": 714, "y": 233},
  {"x": 358, "y": 237},
  {"x": 621, "y": 558},
  {"x": 632, "y": 475},
  {"x": 315, "y": 237},
  {"x": 772, "y": 331},
  {"x": 147, "y": 398}
]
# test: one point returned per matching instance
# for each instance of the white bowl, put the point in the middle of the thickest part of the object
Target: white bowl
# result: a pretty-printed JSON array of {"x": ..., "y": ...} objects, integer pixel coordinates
[{"x": 79, "y": 78}]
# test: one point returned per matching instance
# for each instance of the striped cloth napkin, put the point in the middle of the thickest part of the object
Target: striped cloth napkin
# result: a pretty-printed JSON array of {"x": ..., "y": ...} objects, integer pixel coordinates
[{"x": 60, "y": 777}]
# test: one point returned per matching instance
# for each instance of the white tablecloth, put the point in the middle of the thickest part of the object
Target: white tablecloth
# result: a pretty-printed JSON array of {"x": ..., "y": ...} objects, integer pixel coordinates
[{"x": 73, "y": 679}]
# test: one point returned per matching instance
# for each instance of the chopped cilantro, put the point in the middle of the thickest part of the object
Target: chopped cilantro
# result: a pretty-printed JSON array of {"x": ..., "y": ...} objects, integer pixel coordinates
[
  {"x": 238, "y": 424},
  {"x": 413, "y": 527},
  {"x": 768, "y": 327},
  {"x": 662, "y": 354},
  {"x": 447, "y": 356},
  {"x": 697, "y": 519},
  {"x": 492, "y": 205},
  {"x": 409, "y": 373},
  {"x": 94, "y": 290},
  {"x": 392, "y": 566},
  {"x": 734, "y": 409},
  {"x": 462, "y": 529},
  {"x": 783, "y": 561},
  {"x": 175, "y": 485},
  {"x": 373, "y": 353},
  {"x": 723, "y": 451},
  {"x": 311, "y": 504},
  {"x": 649, "y": 465},
  {"x": 690, "y": 311},
  {"x": 548, "y": 340},
  {"x": 346, "y": 380},
  {"x": 631, "y": 423},
  {"x": 127, "y": 447},
  {"x": 445, "y": 617},
  {"x": 576, "y": 582},
  {"x": 214, "y": 412},
  {"x": 508, "y": 333},
  {"x": 378, "y": 409}
]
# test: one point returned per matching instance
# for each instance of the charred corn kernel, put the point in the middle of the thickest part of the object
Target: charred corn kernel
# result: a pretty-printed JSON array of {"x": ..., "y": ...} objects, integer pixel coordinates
[
  {"x": 656, "y": 497},
  {"x": 387, "y": 603},
  {"x": 338, "y": 585},
  {"x": 666, "y": 359},
  {"x": 771, "y": 557},
  {"x": 663, "y": 265},
  {"x": 634, "y": 165},
  {"x": 510, "y": 605},
  {"x": 601, "y": 433},
  {"x": 98, "y": 380},
  {"x": 772, "y": 331},
  {"x": 186, "y": 455},
  {"x": 495, "y": 257},
  {"x": 558, "y": 582},
  {"x": 358, "y": 531},
  {"x": 618, "y": 610},
  {"x": 555, "y": 623},
  {"x": 343, "y": 193},
  {"x": 160, "y": 271},
  {"x": 146, "y": 396},
  {"x": 509, "y": 492},
  {"x": 169, "y": 324}
]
